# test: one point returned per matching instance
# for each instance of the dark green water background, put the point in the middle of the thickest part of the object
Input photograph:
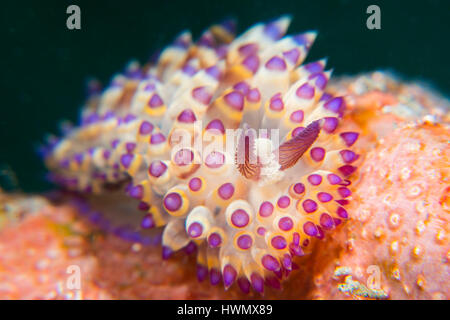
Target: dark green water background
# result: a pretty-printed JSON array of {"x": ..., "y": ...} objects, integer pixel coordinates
[{"x": 44, "y": 65}]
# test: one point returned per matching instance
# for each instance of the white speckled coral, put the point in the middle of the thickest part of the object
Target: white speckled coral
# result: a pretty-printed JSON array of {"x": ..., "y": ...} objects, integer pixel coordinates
[{"x": 249, "y": 209}]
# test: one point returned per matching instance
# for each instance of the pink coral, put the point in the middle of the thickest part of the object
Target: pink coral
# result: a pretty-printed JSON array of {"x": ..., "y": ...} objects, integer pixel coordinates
[{"x": 399, "y": 226}]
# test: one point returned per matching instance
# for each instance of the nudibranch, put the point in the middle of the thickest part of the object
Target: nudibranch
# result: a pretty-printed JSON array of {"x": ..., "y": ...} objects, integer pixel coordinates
[{"x": 227, "y": 146}]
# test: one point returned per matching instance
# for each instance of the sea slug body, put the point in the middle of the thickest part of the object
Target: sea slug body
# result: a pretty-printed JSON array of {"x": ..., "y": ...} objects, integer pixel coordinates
[{"x": 151, "y": 147}]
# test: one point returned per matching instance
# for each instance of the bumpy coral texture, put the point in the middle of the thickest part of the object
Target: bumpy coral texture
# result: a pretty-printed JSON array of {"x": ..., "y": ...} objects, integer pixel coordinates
[
  {"x": 250, "y": 209},
  {"x": 396, "y": 245}
]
